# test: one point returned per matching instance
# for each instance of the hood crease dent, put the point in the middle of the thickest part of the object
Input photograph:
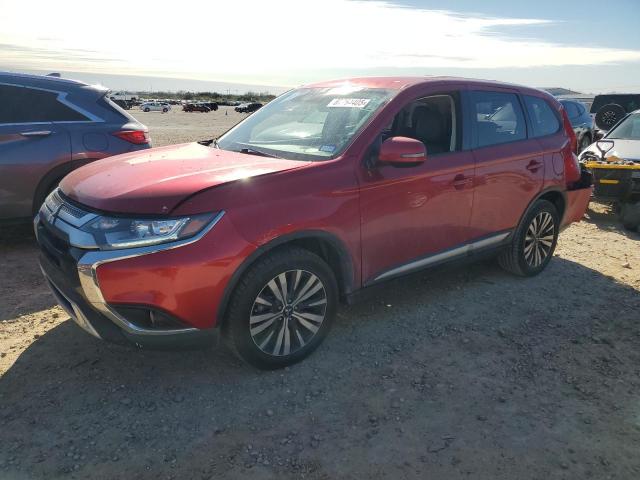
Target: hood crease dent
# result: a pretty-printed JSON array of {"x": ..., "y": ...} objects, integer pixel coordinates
[{"x": 156, "y": 181}]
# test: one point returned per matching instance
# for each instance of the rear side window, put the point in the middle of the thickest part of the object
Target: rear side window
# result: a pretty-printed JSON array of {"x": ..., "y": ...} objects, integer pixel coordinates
[
  {"x": 26, "y": 105},
  {"x": 570, "y": 107},
  {"x": 109, "y": 104},
  {"x": 498, "y": 118},
  {"x": 543, "y": 120}
]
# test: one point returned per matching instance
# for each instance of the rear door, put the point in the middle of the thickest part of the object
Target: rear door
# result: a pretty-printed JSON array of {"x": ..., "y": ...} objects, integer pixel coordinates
[
  {"x": 509, "y": 165},
  {"x": 30, "y": 145}
]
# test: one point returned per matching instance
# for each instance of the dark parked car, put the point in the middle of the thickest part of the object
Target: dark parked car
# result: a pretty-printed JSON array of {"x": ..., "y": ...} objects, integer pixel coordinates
[
  {"x": 609, "y": 109},
  {"x": 196, "y": 107},
  {"x": 48, "y": 127},
  {"x": 329, "y": 189},
  {"x": 248, "y": 107},
  {"x": 581, "y": 122}
]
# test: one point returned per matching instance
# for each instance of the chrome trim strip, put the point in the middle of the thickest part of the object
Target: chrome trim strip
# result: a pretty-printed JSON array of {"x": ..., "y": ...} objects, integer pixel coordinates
[
  {"x": 412, "y": 155},
  {"x": 87, "y": 272},
  {"x": 75, "y": 313},
  {"x": 455, "y": 252},
  {"x": 77, "y": 238}
]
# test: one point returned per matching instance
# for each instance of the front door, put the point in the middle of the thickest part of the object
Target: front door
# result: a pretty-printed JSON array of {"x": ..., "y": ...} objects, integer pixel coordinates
[{"x": 410, "y": 213}]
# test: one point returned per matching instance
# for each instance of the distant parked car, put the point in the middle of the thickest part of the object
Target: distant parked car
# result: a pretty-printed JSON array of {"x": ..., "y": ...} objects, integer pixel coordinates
[
  {"x": 248, "y": 107},
  {"x": 50, "y": 126},
  {"x": 609, "y": 109},
  {"x": 213, "y": 106},
  {"x": 581, "y": 121},
  {"x": 196, "y": 107},
  {"x": 155, "y": 107}
]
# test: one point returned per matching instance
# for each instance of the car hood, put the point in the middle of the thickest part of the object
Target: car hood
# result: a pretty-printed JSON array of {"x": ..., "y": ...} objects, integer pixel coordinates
[
  {"x": 155, "y": 181},
  {"x": 623, "y": 149}
]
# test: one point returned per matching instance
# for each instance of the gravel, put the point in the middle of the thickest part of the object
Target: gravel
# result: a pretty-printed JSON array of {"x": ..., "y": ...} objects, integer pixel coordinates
[{"x": 462, "y": 373}]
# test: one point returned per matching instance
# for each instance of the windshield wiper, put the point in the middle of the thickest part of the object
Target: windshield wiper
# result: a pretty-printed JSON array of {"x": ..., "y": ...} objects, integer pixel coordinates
[
  {"x": 253, "y": 151},
  {"x": 213, "y": 142}
]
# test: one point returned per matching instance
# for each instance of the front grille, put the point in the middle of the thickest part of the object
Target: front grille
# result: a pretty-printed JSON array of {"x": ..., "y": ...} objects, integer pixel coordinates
[{"x": 73, "y": 211}]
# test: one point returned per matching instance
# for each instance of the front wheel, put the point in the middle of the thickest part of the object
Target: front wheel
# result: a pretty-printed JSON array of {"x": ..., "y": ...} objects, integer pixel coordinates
[
  {"x": 534, "y": 241},
  {"x": 282, "y": 309}
]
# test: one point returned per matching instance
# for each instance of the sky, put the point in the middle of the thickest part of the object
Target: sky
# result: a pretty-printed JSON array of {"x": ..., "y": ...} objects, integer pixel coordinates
[{"x": 586, "y": 46}]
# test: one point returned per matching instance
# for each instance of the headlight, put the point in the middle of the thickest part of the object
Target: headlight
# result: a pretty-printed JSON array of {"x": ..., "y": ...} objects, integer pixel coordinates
[{"x": 115, "y": 232}]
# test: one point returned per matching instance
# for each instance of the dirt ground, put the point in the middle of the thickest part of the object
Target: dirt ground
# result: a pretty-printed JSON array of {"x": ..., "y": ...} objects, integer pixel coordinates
[{"x": 463, "y": 373}]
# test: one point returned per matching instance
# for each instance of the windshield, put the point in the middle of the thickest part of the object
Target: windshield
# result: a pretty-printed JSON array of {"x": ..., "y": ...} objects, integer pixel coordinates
[
  {"x": 307, "y": 123},
  {"x": 628, "y": 129}
]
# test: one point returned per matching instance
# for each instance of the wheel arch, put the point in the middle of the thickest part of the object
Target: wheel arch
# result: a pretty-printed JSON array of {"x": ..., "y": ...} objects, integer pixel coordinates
[
  {"x": 53, "y": 176},
  {"x": 552, "y": 194},
  {"x": 324, "y": 244}
]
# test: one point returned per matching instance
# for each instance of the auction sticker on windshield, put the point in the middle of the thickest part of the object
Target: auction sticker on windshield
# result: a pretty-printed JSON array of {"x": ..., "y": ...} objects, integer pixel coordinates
[{"x": 349, "y": 102}]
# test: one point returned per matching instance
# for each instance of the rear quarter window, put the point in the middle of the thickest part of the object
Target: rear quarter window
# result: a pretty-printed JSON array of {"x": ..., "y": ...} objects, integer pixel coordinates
[
  {"x": 28, "y": 105},
  {"x": 544, "y": 120}
]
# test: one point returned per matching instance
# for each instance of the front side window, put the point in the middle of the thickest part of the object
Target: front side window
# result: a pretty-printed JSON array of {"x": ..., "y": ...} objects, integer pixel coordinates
[
  {"x": 498, "y": 118},
  {"x": 307, "y": 123},
  {"x": 627, "y": 129},
  {"x": 432, "y": 120},
  {"x": 543, "y": 120},
  {"x": 27, "y": 105}
]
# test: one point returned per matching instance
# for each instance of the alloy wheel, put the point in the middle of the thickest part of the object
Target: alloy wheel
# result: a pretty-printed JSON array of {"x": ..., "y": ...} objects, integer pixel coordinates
[
  {"x": 538, "y": 242},
  {"x": 288, "y": 312}
]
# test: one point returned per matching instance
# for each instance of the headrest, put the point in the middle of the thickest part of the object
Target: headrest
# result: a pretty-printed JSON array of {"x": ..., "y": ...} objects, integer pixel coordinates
[{"x": 428, "y": 124}]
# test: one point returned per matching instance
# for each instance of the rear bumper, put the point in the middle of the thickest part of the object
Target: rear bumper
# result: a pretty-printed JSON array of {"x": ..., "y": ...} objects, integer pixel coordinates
[{"x": 577, "y": 203}]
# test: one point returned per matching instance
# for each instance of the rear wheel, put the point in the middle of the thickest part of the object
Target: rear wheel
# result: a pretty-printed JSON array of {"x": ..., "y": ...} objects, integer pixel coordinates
[
  {"x": 282, "y": 309},
  {"x": 146, "y": 109},
  {"x": 534, "y": 241}
]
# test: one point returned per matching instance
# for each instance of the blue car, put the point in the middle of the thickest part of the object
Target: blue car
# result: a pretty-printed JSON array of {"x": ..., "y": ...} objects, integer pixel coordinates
[{"x": 50, "y": 126}]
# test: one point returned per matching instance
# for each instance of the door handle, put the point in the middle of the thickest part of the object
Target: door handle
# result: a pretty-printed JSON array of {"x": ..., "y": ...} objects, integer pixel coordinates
[
  {"x": 36, "y": 133},
  {"x": 459, "y": 181},
  {"x": 534, "y": 166}
]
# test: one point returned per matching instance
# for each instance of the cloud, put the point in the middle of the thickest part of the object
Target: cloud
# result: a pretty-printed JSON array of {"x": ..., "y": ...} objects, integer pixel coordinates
[{"x": 251, "y": 38}]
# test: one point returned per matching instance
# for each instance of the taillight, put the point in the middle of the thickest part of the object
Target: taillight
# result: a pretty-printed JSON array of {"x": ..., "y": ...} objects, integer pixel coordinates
[
  {"x": 137, "y": 137},
  {"x": 569, "y": 129},
  {"x": 571, "y": 164}
]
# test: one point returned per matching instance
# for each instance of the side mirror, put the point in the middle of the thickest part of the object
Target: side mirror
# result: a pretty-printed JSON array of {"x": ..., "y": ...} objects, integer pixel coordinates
[
  {"x": 604, "y": 146},
  {"x": 402, "y": 151}
]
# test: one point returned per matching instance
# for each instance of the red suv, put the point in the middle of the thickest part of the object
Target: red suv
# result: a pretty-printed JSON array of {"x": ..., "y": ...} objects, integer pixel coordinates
[{"x": 326, "y": 190}]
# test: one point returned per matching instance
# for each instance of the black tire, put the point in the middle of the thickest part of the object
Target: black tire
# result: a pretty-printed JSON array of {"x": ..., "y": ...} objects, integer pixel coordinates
[
  {"x": 147, "y": 109},
  {"x": 630, "y": 215},
  {"x": 609, "y": 115},
  {"x": 516, "y": 258},
  {"x": 245, "y": 304},
  {"x": 165, "y": 110}
]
